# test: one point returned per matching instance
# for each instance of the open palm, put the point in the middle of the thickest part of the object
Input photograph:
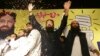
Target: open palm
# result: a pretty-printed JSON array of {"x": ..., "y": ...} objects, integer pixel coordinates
[{"x": 67, "y": 5}]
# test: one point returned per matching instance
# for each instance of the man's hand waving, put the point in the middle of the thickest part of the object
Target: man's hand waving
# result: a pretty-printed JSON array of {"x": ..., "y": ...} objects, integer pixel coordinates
[{"x": 67, "y": 7}]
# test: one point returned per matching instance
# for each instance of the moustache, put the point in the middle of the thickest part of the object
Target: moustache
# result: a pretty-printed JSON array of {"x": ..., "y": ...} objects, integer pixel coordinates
[
  {"x": 49, "y": 25},
  {"x": 4, "y": 27}
]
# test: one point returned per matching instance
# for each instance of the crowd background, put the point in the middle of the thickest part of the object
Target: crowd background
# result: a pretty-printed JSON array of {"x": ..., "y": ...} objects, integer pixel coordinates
[{"x": 56, "y": 14}]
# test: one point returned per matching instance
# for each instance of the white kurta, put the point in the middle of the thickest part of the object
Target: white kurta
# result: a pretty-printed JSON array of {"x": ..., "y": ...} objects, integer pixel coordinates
[
  {"x": 34, "y": 39},
  {"x": 76, "y": 49},
  {"x": 24, "y": 45},
  {"x": 3, "y": 43}
]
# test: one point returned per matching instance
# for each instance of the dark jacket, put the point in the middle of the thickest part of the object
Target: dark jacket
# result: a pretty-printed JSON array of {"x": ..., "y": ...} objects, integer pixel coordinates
[
  {"x": 83, "y": 43},
  {"x": 51, "y": 45}
]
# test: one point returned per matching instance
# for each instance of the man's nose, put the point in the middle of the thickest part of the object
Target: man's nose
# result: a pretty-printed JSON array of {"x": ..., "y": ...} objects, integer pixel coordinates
[{"x": 5, "y": 23}]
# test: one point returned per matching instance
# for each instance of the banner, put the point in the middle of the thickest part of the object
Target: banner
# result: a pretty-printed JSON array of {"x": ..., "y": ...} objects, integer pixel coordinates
[{"x": 89, "y": 20}]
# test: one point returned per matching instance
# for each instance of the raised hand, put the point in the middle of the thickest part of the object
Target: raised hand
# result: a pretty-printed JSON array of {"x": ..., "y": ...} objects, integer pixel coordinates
[
  {"x": 30, "y": 6},
  {"x": 67, "y": 5}
]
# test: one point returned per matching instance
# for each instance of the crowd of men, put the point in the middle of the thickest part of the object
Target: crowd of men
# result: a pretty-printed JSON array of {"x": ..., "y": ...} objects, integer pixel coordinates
[{"x": 34, "y": 40}]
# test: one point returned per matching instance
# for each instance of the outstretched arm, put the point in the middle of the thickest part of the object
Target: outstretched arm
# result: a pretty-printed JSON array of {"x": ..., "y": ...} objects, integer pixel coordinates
[
  {"x": 92, "y": 48},
  {"x": 64, "y": 20},
  {"x": 32, "y": 18}
]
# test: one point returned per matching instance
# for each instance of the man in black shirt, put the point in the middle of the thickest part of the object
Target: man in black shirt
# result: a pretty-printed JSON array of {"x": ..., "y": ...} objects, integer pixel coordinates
[{"x": 51, "y": 45}]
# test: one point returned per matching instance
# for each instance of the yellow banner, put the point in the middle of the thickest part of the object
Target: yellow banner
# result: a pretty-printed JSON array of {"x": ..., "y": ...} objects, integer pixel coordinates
[{"x": 88, "y": 18}]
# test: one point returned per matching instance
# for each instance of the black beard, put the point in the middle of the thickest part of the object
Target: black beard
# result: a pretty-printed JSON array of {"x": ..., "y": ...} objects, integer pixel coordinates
[
  {"x": 76, "y": 30},
  {"x": 4, "y": 34},
  {"x": 49, "y": 29}
]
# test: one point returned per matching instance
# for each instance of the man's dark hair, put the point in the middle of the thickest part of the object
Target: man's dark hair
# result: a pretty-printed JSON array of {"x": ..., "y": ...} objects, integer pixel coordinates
[
  {"x": 50, "y": 20},
  {"x": 12, "y": 14}
]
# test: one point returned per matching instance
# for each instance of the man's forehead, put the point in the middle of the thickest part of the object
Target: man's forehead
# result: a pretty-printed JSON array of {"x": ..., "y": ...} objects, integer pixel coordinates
[{"x": 7, "y": 17}]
